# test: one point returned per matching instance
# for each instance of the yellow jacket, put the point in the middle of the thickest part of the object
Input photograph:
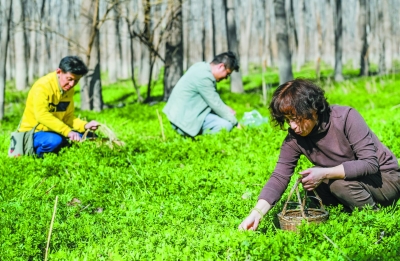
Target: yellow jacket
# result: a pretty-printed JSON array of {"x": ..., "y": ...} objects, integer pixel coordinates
[{"x": 50, "y": 106}]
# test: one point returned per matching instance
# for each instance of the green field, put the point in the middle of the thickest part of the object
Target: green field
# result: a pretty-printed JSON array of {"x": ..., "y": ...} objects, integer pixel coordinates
[{"x": 181, "y": 199}]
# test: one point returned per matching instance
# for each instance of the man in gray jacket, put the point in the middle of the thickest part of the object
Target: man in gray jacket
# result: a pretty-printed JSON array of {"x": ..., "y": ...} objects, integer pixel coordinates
[{"x": 194, "y": 106}]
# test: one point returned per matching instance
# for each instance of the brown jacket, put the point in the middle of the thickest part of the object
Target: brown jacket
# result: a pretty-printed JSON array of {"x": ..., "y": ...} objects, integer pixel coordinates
[{"x": 343, "y": 138}]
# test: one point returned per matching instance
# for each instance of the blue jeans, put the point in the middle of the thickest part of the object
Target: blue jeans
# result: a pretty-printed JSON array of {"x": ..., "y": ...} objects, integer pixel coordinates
[
  {"x": 47, "y": 141},
  {"x": 212, "y": 124}
]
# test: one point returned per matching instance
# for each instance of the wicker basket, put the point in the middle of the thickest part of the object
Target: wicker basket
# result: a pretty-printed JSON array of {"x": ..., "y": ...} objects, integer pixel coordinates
[{"x": 290, "y": 219}]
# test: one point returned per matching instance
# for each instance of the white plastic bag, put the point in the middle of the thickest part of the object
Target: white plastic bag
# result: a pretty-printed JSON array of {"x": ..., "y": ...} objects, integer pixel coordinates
[{"x": 253, "y": 119}]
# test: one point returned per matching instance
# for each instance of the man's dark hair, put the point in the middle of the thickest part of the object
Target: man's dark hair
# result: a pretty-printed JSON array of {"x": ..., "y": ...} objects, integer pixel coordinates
[
  {"x": 73, "y": 64},
  {"x": 298, "y": 98},
  {"x": 228, "y": 59}
]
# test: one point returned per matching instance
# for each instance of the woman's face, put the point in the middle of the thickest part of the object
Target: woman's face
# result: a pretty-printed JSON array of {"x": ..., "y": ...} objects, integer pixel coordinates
[{"x": 302, "y": 127}]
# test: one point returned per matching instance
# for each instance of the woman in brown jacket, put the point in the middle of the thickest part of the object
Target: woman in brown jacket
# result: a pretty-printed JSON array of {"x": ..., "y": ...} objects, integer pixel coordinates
[{"x": 352, "y": 167}]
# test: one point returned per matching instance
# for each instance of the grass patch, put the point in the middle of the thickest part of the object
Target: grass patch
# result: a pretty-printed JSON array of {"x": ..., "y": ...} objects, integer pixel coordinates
[{"x": 180, "y": 199}]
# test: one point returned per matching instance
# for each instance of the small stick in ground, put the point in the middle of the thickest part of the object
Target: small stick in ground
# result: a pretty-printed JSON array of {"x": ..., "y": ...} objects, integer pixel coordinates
[
  {"x": 161, "y": 125},
  {"x": 82, "y": 210},
  {"x": 336, "y": 246},
  {"x": 43, "y": 179},
  {"x": 47, "y": 192},
  {"x": 51, "y": 228}
]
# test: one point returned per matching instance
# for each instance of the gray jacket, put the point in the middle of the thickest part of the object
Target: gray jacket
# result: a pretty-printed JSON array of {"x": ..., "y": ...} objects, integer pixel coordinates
[{"x": 193, "y": 97}]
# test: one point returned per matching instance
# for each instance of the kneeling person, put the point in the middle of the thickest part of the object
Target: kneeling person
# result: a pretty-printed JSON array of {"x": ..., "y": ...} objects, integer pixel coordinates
[
  {"x": 194, "y": 106},
  {"x": 50, "y": 107}
]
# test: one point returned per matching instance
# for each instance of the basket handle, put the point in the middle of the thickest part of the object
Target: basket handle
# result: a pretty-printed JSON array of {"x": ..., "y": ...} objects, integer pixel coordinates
[
  {"x": 290, "y": 195},
  {"x": 301, "y": 203},
  {"x": 319, "y": 199}
]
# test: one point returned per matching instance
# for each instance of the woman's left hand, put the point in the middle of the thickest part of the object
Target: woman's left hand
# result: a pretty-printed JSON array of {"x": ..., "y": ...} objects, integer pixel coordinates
[{"x": 312, "y": 177}]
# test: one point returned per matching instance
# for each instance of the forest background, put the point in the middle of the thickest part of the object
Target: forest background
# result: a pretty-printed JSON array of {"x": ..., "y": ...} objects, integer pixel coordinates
[
  {"x": 164, "y": 197},
  {"x": 141, "y": 39}
]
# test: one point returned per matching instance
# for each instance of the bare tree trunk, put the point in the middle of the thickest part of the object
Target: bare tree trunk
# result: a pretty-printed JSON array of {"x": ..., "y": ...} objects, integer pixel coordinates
[
  {"x": 207, "y": 31},
  {"x": 338, "y": 40},
  {"x": 131, "y": 30},
  {"x": 328, "y": 42},
  {"x": 233, "y": 45},
  {"x": 195, "y": 35},
  {"x": 213, "y": 22},
  {"x": 264, "y": 51},
  {"x": 393, "y": 29},
  {"x": 135, "y": 85},
  {"x": 285, "y": 57},
  {"x": 271, "y": 25},
  {"x": 349, "y": 33},
  {"x": 319, "y": 42},
  {"x": 10, "y": 63},
  {"x": 91, "y": 96},
  {"x": 125, "y": 50},
  {"x": 33, "y": 45},
  {"x": 381, "y": 35},
  {"x": 245, "y": 37},
  {"x": 147, "y": 56},
  {"x": 21, "y": 77},
  {"x": 219, "y": 30},
  {"x": 44, "y": 54},
  {"x": 299, "y": 17},
  {"x": 5, "y": 37},
  {"x": 186, "y": 45},
  {"x": 112, "y": 46},
  {"x": 363, "y": 19},
  {"x": 173, "y": 50},
  {"x": 144, "y": 72}
]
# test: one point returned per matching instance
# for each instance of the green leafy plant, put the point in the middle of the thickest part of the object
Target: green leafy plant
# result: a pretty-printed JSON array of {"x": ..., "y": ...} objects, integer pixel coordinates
[{"x": 183, "y": 199}]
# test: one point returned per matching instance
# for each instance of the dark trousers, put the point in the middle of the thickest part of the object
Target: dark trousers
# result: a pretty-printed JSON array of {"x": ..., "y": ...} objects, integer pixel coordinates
[{"x": 381, "y": 188}]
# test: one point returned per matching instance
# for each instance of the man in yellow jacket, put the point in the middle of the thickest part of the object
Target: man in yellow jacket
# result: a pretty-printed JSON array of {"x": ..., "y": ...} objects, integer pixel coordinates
[{"x": 50, "y": 106}]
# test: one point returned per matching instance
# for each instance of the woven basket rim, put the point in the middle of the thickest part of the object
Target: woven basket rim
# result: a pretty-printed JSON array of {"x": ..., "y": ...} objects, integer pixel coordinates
[{"x": 323, "y": 216}]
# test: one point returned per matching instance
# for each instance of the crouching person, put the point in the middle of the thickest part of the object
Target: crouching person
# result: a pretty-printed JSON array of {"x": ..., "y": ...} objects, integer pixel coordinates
[
  {"x": 194, "y": 106},
  {"x": 50, "y": 107}
]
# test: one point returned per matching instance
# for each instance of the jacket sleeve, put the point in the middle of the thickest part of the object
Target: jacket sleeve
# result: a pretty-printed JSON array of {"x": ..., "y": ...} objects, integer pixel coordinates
[
  {"x": 360, "y": 138},
  {"x": 280, "y": 178},
  {"x": 76, "y": 123},
  {"x": 212, "y": 98},
  {"x": 41, "y": 109}
]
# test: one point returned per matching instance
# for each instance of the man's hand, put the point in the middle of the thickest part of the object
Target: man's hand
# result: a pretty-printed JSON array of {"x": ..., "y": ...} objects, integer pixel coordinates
[
  {"x": 74, "y": 136},
  {"x": 240, "y": 127},
  {"x": 92, "y": 125}
]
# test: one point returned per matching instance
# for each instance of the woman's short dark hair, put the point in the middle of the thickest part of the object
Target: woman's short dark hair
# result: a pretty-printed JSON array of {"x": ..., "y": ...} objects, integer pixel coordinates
[
  {"x": 298, "y": 98},
  {"x": 73, "y": 64},
  {"x": 229, "y": 59}
]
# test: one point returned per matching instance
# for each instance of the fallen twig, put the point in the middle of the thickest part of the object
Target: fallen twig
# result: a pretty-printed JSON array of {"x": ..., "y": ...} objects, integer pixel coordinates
[
  {"x": 47, "y": 192},
  {"x": 395, "y": 107},
  {"x": 380, "y": 237},
  {"x": 51, "y": 228},
  {"x": 43, "y": 179},
  {"x": 84, "y": 208},
  {"x": 337, "y": 247},
  {"x": 161, "y": 125}
]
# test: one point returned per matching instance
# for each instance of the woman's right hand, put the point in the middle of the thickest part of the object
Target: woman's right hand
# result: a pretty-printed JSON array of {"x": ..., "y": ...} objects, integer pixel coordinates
[{"x": 251, "y": 221}]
